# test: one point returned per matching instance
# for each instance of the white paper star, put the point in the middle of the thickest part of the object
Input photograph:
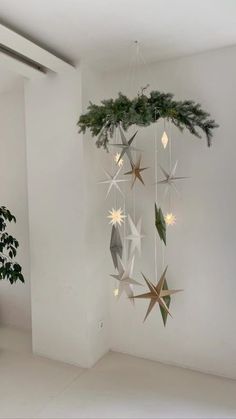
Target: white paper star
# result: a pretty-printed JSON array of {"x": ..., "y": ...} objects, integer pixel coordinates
[
  {"x": 113, "y": 181},
  {"x": 135, "y": 235},
  {"x": 124, "y": 277}
]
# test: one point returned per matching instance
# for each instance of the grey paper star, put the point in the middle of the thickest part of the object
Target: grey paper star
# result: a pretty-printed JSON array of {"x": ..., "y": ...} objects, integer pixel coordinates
[
  {"x": 126, "y": 146},
  {"x": 170, "y": 178},
  {"x": 116, "y": 246},
  {"x": 113, "y": 181},
  {"x": 135, "y": 235},
  {"x": 124, "y": 277}
]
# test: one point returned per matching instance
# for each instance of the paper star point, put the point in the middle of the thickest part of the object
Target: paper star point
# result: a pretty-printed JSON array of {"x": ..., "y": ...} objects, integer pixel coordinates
[
  {"x": 135, "y": 237},
  {"x": 116, "y": 216},
  {"x": 160, "y": 223},
  {"x": 119, "y": 161}
]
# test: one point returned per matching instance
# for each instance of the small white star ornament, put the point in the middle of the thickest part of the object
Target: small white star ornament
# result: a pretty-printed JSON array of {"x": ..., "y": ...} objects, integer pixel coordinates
[{"x": 116, "y": 216}]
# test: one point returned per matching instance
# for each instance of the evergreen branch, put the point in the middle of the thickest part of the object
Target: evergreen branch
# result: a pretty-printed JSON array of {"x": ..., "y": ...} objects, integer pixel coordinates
[{"x": 144, "y": 110}]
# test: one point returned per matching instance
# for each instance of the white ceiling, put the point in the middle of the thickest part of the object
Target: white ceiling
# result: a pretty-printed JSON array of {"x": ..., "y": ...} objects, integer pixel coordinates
[{"x": 102, "y": 31}]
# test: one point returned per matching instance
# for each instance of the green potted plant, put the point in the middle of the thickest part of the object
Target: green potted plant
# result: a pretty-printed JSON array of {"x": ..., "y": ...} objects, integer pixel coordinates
[{"x": 9, "y": 268}]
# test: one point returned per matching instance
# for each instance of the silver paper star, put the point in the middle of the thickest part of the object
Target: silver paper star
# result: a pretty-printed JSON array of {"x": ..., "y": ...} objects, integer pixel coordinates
[
  {"x": 170, "y": 178},
  {"x": 135, "y": 235},
  {"x": 116, "y": 246},
  {"x": 113, "y": 181},
  {"x": 126, "y": 146},
  {"x": 124, "y": 277}
]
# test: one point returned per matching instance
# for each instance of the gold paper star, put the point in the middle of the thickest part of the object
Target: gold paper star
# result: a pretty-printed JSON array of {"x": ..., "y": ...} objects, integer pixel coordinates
[
  {"x": 170, "y": 219},
  {"x": 116, "y": 216},
  {"x": 157, "y": 294},
  {"x": 119, "y": 161},
  {"x": 136, "y": 171}
]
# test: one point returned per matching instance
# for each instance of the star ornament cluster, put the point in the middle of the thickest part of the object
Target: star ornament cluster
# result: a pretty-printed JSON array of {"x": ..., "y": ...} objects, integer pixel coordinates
[
  {"x": 157, "y": 295},
  {"x": 136, "y": 172},
  {"x": 116, "y": 216}
]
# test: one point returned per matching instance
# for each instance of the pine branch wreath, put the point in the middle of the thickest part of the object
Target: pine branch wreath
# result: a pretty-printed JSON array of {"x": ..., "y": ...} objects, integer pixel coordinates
[
  {"x": 9, "y": 268},
  {"x": 144, "y": 110}
]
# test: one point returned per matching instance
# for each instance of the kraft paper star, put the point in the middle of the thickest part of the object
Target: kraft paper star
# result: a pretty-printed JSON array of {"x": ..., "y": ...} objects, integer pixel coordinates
[
  {"x": 135, "y": 235},
  {"x": 124, "y": 277},
  {"x": 116, "y": 246},
  {"x": 160, "y": 223},
  {"x": 126, "y": 146},
  {"x": 157, "y": 294},
  {"x": 136, "y": 171},
  {"x": 170, "y": 178},
  {"x": 116, "y": 216},
  {"x": 113, "y": 181}
]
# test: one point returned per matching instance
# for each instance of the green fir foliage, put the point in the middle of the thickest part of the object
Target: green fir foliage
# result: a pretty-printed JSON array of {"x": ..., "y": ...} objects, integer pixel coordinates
[{"x": 144, "y": 110}]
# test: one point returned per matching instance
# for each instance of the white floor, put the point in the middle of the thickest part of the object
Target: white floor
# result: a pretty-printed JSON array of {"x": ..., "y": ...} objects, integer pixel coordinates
[{"x": 119, "y": 386}]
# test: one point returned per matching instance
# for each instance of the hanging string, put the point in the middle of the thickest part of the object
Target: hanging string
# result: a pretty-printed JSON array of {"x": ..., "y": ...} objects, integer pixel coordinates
[
  {"x": 170, "y": 165},
  {"x": 155, "y": 165}
]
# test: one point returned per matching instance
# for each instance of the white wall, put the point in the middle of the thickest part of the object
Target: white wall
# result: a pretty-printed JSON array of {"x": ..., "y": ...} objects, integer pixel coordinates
[
  {"x": 67, "y": 301},
  {"x": 15, "y": 299},
  {"x": 201, "y": 247}
]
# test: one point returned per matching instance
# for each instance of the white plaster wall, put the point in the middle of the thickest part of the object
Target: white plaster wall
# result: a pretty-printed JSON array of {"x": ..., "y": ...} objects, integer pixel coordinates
[
  {"x": 201, "y": 247},
  {"x": 67, "y": 298},
  {"x": 15, "y": 299}
]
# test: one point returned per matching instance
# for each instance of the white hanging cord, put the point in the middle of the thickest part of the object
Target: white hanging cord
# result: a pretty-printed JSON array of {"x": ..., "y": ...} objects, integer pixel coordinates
[
  {"x": 155, "y": 164},
  {"x": 170, "y": 164}
]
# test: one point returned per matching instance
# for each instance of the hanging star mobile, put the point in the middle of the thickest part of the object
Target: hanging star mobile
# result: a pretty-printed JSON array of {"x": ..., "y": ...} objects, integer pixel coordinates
[
  {"x": 170, "y": 178},
  {"x": 135, "y": 236},
  {"x": 124, "y": 277},
  {"x": 136, "y": 171},
  {"x": 160, "y": 223},
  {"x": 116, "y": 216},
  {"x": 116, "y": 246},
  {"x": 126, "y": 146},
  {"x": 113, "y": 181},
  {"x": 156, "y": 294}
]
